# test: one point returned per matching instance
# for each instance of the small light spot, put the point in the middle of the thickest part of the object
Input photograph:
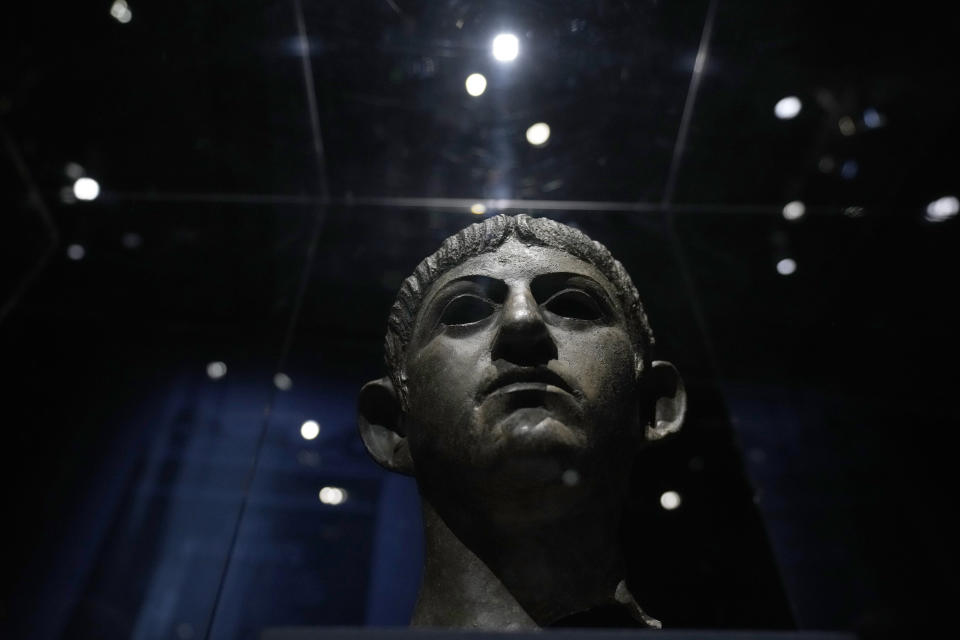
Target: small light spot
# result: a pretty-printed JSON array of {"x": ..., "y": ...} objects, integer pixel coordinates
[
  {"x": 538, "y": 134},
  {"x": 571, "y": 477},
  {"x": 282, "y": 381},
  {"x": 86, "y": 189},
  {"x": 332, "y": 495},
  {"x": 787, "y": 108},
  {"x": 670, "y": 500},
  {"x": 826, "y": 164},
  {"x": 478, "y": 208},
  {"x": 185, "y": 631},
  {"x": 216, "y": 370},
  {"x": 794, "y": 210},
  {"x": 786, "y": 266},
  {"x": 76, "y": 252},
  {"x": 506, "y": 47},
  {"x": 757, "y": 456},
  {"x": 120, "y": 10},
  {"x": 847, "y": 126},
  {"x": 849, "y": 169},
  {"x": 873, "y": 119},
  {"x": 66, "y": 195},
  {"x": 942, "y": 209},
  {"x": 308, "y": 458},
  {"x": 476, "y": 84},
  {"x": 131, "y": 240},
  {"x": 853, "y": 212},
  {"x": 310, "y": 429},
  {"x": 73, "y": 170}
]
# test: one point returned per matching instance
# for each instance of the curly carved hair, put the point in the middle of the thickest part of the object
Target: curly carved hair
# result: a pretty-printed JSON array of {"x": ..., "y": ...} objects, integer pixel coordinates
[{"x": 488, "y": 236}]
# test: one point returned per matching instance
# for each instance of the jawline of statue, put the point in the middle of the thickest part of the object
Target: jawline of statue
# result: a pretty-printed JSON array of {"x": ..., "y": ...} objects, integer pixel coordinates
[{"x": 522, "y": 486}]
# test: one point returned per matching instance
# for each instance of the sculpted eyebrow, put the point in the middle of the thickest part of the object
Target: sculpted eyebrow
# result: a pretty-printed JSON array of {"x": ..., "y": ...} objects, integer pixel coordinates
[
  {"x": 545, "y": 285},
  {"x": 491, "y": 287}
]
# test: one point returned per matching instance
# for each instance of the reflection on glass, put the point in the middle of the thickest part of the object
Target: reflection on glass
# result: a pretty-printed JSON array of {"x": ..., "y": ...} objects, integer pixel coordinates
[
  {"x": 787, "y": 108},
  {"x": 478, "y": 208},
  {"x": 872, "y": 118},
  {"x": 310, "y": 429},
  {"x": 131, "y": 240},
  {"x": 86, "y": 189},
  {"x": 794, "y": 210},
  {"x": 120, "y": 10},
  {"x": 76, "y": 252},
  {"x": 670, "y": 500},
  {"x": 282, "y": 381},
  {"x": 476, "y": 84},
  {"x": 571, "y": 477},
  {"x": 786, "y": 266},
  {"x": 506, "y": 47},
  {"x": 942, "y": 209},
  {"x": 849, "y": 169},
  {"x": 332, "y": 495},
  {"x": 847, "y": 126},
  {"x": 538, "y": 134},
  {"x": 73, "y": 170},
  {"x": 216, "y": 370}
]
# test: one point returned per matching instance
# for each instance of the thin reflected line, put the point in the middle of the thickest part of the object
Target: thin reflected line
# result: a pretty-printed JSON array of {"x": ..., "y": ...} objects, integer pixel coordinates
[
  {"x": 53, "y": 233},
  {"x": 681, "y": 142},
  {"x": 670, "y": 187},
  {"x": 458, "y": 204},
  {"x": 320, "y": 204}
]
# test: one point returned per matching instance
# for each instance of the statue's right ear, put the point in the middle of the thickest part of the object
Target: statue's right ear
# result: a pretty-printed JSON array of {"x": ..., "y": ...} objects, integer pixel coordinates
[{"x": 380, "y": 422}]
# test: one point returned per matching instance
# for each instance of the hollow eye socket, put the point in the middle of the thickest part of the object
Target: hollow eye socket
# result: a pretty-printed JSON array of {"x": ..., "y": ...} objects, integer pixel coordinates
[
  {"x": 574, "y": 304},
  {"x": 466, "y": 309}
]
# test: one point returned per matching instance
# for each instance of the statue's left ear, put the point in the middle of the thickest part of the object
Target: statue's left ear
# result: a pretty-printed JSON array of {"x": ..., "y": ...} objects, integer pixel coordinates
[{"x": 664, "y": 387}]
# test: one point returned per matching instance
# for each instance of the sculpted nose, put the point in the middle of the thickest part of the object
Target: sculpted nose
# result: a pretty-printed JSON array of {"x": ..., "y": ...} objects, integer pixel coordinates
[{"x": 523, "y": 337}]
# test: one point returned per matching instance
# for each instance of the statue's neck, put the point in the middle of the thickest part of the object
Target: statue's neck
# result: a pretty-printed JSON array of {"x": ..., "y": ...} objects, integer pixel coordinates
[{"x": 522, "y": 580}]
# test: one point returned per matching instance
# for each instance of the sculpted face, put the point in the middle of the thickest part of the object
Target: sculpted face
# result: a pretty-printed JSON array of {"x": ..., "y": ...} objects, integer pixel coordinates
[{"x": 522, "y": 379}]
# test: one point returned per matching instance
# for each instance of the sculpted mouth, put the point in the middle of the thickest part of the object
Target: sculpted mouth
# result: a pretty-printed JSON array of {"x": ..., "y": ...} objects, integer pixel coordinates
[{"x": 528, "y": 379}]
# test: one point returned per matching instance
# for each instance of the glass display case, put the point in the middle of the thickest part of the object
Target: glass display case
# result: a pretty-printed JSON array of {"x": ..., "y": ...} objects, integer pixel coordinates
[{"x": 209, "y": 208}]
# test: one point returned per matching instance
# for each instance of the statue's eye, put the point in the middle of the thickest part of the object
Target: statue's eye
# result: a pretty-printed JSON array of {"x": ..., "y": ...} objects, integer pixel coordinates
[
  {"x": 575, "y": 304},
  {"x": 466, "y": 309}
]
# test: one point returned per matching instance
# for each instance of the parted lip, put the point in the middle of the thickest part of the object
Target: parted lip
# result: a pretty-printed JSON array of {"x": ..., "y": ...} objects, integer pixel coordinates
[{"x": 534, "y": 375}]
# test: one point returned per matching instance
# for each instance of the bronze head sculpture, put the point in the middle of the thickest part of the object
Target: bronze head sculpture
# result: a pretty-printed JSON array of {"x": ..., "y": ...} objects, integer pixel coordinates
[{"x": 521, "y": 385}]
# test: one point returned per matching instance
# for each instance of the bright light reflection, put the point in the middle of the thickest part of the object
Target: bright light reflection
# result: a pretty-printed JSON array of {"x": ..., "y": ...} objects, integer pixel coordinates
[
  {"x": 478, "y": 208},
  {"x": 794, "y": 210},
  {"x": 121, "y": 11},
  {"x": 216, "y": 370},
  {"x": 86, "y": 189},
  {"x": 282, "y": 381},
  {"x": 76, "y": 252},
  {"x": 476, "y": 84},
  {"x": 332, "y": 495},
  {"x": 538, "y": 134},
  {"x": 786, "y": 266},
  {"x": 942, "y": 209},
  {"x": 670, "y": 500},
  {"x": 506, "y": 47},
  {"x": 787, "y": 108},
  {"x": 310, "y": 429}
]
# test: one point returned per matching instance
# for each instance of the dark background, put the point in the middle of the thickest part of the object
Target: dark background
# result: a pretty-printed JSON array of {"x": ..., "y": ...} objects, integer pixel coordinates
[{"x": 271, "y": 170}]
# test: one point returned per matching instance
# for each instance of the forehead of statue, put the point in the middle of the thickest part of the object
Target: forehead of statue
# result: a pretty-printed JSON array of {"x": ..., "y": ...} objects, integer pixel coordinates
[{"x": 515, "y": 263}]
